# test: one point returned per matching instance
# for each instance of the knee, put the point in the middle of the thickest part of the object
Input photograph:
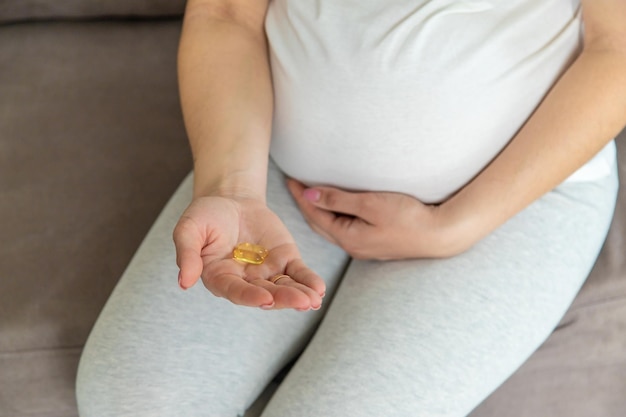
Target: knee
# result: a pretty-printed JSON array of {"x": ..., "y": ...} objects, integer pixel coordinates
[
  {"x": 95, "y": 389},
  {"x": 124, "y": 383},
  {"x": 86, "y": 389},
  {"x": 108, "y": 383}
]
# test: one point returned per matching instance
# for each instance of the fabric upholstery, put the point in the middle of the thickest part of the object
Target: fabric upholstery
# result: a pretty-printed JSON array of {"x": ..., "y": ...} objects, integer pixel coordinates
[
  {"x": 20, "y": 10},
  {"x": 92, "y": 145}
]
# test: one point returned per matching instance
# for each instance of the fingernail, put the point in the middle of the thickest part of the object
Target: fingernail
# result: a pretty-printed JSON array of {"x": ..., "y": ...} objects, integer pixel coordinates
[
  {"x": 312, "y": 194},
  {"x": 267, "y": 306},
  {"x": 180, "y": 281},
  {"x": 323, "y": 294},
  {"x": 316, "y": 308}
]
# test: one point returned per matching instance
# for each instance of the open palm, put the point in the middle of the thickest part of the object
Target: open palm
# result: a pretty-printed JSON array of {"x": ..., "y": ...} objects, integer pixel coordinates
[{"x": 205, "y": 237}]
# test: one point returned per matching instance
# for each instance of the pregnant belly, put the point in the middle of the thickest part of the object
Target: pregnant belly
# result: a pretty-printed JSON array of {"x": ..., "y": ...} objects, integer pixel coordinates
[
  {"x": 426, "y": 138},
  {"x": 404, "y": 113},
  {"x": 424, "y": 141}
]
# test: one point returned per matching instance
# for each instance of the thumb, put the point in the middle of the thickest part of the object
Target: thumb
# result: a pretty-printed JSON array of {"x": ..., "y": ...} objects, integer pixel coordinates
[{"x": 189, "y": 243}]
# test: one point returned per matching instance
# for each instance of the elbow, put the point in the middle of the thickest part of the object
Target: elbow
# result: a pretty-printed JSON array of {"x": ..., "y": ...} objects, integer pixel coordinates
[
  {"x": 606, "y": 43},
  {"x": 604, "y": 37},
  {"x": 251, "y": 18}
]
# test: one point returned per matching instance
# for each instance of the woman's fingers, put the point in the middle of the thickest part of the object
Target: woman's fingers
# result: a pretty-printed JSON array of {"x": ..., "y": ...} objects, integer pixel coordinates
[
  {"x": 298, "y": 288},
  {"x": 286, "y": 259},
  {"x": 239, "y": 291},
  {"x": 288, "y": 293},
  {"x": 357, "y": 204},
  {"x": 284, "y": 293},
  {"x": 299, "y": 279},
  {"x": 337, "y": 226},
  {"x": 302, "y": 274}
]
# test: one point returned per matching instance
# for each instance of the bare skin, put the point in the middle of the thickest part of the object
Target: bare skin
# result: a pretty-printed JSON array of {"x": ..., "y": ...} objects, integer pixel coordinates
[{"x": 584, "y": 110}]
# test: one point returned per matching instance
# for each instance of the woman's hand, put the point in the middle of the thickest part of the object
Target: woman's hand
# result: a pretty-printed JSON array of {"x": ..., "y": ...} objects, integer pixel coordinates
[
  {"x": 205, "y": 237},
  {"x": 377, "y": 225}
]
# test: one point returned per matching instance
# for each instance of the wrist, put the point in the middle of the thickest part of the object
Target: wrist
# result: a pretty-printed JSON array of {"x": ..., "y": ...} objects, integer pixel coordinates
[
  {"x": 234, "y": 184},
  {"x": 457, "y": 232},
  {"x": 231, "y": 169}
]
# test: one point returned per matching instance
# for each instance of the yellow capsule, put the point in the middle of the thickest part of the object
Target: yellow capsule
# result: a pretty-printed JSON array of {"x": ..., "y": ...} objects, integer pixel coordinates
[{"x": 250, "y": 253}]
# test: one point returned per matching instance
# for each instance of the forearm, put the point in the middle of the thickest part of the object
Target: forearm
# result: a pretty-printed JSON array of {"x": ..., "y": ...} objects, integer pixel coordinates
[
  {"x": 585, "y": 109},
  {"x": 226, "y": 97}
]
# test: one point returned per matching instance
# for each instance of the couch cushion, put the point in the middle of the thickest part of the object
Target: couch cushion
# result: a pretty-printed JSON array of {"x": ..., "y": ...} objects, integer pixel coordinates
[
  {"x": 17, "y": 10},
  {"x": 92, "y": 145}
]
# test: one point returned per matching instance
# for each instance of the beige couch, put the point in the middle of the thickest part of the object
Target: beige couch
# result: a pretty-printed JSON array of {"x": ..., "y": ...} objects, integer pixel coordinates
[{"x": 92, "y": 145}]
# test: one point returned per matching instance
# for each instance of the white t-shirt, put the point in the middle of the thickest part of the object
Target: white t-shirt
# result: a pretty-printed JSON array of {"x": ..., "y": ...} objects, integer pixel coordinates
[{"x": 413, "y": 96}]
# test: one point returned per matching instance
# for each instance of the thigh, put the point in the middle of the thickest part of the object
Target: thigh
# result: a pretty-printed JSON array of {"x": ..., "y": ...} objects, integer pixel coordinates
[
  {"x": 156, "y": 350},
  {"x": 436, "y": 337}
]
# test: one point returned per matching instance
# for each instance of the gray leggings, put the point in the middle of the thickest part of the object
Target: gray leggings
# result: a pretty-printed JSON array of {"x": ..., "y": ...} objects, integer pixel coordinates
[{"x": 404, "y": 338}]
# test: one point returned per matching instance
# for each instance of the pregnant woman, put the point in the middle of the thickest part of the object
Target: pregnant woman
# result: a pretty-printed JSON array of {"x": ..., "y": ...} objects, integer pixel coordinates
[{"x": 426, "y": 185}]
